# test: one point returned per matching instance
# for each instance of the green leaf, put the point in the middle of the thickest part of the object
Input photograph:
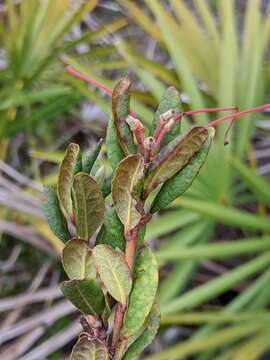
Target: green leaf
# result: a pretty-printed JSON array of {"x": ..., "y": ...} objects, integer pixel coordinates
[
  {"x": 197, "y": 296},
  {"x": 143, "y": 292},
  {"x": 114, "y": 151},
  {"x": 169, "y": 101},
  {"x": 141, "y": 236},
  {"x": 181, "y": 181},
  {"x": 174, "y": 157},
  {"x": 120, "y": 109},
  {"x": 106, "y": 186},
  {"x": 149, "y": 332},
  {"x": 91, "y": 157},
  {"x": 89, "y": 205},
  {"x": 218, "y": 340},
  {"x": 86, "y": 295},
  {"x": 99, "y": 176},
  {"x": 86, "y": 349},
  {"x": 113, "y": 271},
  {"x": 77, "y": 260},
  {"x": 70, "y": 166},
  {"x": 54, "y": 215},
  {"x": 257, "y": 183},
  {"x": 125, "y": 182},
  {"x": 114, "y": 230},
  {"x": 225, "y": 214}
]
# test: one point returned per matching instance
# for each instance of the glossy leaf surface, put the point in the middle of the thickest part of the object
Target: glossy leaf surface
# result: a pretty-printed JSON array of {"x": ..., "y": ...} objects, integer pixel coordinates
[
  {"x": 87, "y": 349},
  {"x": 181, "y": 181},
  {"x": 148, "y": 334},
  {"x": 54, "y": 215},
  {"x": 70, "y": 166},
  {"x": 174, "y": 157},
  {"x": 113, "y": 271},
  {"x": 89, "y": 205},
  {"x": 77, "y": 260},
  {"x": 86, "y": 295},
  {"x": 143, "y": 292},
  {"x": 120, "y": 109},
  {"x": 127, "y": 176}
]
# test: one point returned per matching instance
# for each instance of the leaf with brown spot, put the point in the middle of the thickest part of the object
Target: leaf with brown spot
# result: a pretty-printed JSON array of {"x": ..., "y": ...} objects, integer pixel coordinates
[
  {"x": 69, "y": 167},
  {"x": 89, "y": 205},
  {"x": 174, "y": 157},
  {"x": 127, "y": 176},
  {"x": 120, "y": 109}
]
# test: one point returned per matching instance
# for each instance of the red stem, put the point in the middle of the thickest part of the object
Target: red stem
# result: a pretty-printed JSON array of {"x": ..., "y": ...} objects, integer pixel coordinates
[
  {"x": 72, "y": 71},
  {"x": 81, "y": 76},
  {"x": 238, "y": 114},
  {"x": 217, "y": 109}
]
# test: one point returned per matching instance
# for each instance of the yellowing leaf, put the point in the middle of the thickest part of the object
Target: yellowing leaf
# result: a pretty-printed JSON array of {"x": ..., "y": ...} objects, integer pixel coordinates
[
  {"x": 127, "y": 177},
  {"x": 113, "y": 271},
  {"x": 77, "y": 260}
]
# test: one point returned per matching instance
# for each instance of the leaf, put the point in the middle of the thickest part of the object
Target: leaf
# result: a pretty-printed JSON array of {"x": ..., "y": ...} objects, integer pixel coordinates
[
  {"x": 88, "y": 349},
  {"x": 141, "y": 235},
  {"x": 120, "y": 109},
  {"x": 99, "y": 176},
  {"x": 77, "y": 260},
  {"x": 89, "y": 205},
  {"x": 181, "y": 181},
  {"x": 86, "y": 295},
  {"x": 257, "y": 184},
  {"x": 69, "y": 167},
  {"x": 174, "y": 157},
  {"x": 54, "y": 215},
  {"x": 113, "y": 271},
  {"x": 147, "y": 336},
  {"x": 106, "y": 186},
  {"x": 114, "y": 230},
  {"x": 170, "y": 100},
  {"x": 114, "y": 151},
  {"x": 91, "y": 157},
  {"x": 143, "y": 292},
  {"x": 126, "y": 178}
]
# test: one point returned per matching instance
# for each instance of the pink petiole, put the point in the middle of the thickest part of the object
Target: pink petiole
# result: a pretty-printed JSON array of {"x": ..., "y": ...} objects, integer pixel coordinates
[
  {"x": 238, "y": 114},
  {"x": 81, "y": 76},
  {"x": 233, "y": 116}
]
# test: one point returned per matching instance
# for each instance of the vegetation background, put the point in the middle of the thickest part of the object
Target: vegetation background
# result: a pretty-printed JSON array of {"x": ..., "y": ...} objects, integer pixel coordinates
[{"x": 213, "y": 244}]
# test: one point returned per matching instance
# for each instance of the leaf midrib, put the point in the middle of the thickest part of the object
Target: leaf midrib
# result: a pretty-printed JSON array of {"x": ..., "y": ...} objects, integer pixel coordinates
[{"x": 129, "y": 207}]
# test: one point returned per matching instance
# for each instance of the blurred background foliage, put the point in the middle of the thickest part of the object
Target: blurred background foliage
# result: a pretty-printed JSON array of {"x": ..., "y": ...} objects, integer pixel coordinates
[{"x": 213, "y": 244}]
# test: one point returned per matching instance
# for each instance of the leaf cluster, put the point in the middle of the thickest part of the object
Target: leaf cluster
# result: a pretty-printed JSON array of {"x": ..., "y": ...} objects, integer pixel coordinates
[{"x": 110, "y": 268}]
